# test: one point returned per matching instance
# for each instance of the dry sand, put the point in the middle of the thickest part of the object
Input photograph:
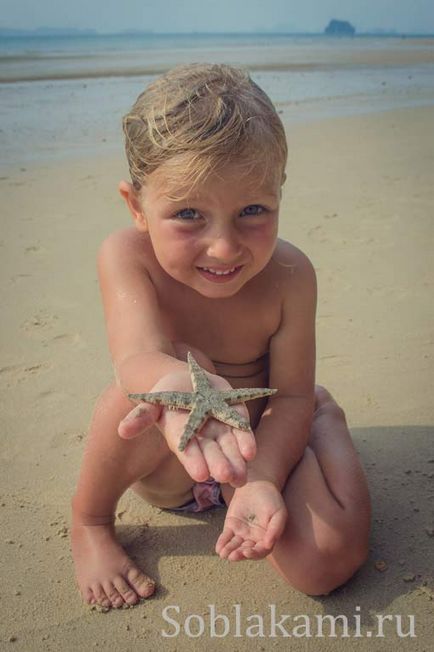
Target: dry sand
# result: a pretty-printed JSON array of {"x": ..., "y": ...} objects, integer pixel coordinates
[{"x": 359, "y": 200}]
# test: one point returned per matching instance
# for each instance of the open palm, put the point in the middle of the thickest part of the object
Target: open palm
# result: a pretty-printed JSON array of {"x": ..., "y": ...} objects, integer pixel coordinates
[
  {"x": 255, "y": 520},
  {"x": 219, "y": 450}
]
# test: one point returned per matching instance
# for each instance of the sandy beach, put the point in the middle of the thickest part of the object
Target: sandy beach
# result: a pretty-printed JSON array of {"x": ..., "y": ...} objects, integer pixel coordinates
[{"x": 359, "y": 201}]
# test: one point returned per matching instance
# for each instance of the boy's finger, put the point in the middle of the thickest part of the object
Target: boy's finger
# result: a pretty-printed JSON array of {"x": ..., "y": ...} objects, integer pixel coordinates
[
  {"x": 140, "y": 418},
  {"x": 220, "y": 467},
  {"x": 225, "y": 536},
  {"x": 230, "y": 546},
  {"x": 193, "y": 461},
  {"x": 258, "y": 551},
  {"x": 230, "y": 449},
  {"x": 274, "y": 530},
  {"x": 246, "y": 442}
]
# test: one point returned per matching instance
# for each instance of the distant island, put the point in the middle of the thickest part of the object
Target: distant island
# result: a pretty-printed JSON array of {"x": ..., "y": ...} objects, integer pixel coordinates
[
  {"x": 339, "y": 28},
  {"x": 334, "y": 28}
]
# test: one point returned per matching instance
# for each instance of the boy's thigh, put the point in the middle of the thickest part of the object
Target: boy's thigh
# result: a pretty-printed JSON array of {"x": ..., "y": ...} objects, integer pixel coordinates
[
  {"x": 154, "y": 471},
  {"x": 168, "y": 484}
]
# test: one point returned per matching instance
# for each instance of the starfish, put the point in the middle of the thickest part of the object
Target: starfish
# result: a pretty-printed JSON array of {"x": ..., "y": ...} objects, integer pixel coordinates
[{"x": 205, "y": 402}]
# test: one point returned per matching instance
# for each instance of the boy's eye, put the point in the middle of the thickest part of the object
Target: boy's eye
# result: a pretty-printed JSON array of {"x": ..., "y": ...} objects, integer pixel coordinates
[
  {"x": 254, "y": 209},
  {"x": 188, "y": 214}
]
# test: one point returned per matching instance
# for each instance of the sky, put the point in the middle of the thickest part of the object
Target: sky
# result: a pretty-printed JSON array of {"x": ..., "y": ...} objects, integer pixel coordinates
[{"x": 410, "y": 16}]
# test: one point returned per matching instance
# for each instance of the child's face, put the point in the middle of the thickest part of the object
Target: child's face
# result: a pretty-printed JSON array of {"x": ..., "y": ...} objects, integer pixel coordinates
[{"x": 218, "y": 238}]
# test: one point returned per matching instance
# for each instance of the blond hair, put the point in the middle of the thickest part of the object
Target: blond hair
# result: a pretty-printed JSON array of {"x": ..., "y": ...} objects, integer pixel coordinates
[{"x": 199, "y": 117}]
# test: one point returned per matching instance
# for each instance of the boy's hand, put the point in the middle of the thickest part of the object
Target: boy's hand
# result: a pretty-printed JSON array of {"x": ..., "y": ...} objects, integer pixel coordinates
[
  {"x": 219, "y": 451},
  {"x": 254, "y": 521}
]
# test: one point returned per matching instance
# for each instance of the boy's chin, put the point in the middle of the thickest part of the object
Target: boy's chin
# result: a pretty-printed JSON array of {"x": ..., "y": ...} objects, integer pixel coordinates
[{"x": 218, "y": 291}]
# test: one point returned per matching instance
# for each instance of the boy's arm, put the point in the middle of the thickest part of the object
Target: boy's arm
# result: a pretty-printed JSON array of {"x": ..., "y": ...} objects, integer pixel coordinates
[
  {"x": 133, "y": 321},
  {"x": 143, "y": 356},
  {"x": 283, "y": 431}
]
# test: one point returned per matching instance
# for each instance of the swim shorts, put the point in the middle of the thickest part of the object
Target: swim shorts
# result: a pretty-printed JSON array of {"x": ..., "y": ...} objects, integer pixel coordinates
[{"x": 205, "y": 496}]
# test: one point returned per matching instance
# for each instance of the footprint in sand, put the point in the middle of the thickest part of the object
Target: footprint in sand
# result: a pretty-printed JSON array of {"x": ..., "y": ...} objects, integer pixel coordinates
[
  {"x": 35, "y": 249},
  {"x": 338, "y": 360},
  {"x": 316, "y": 233},
  {"x": 16, "y": 278},
  {"x": 67, "y": 439},
  {"x": 40, "y": 327},
  {"x": 42, "y": 320},
  {"x": 15, "y": 374},
  {"x": 391, "y": 292},
  {"x": 69, "y": 338}
]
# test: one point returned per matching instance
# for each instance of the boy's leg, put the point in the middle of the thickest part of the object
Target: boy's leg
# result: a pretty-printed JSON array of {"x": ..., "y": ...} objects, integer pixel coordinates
[
  {"x": 104, "y": 572},
  {"x": 326, "y": 535}
]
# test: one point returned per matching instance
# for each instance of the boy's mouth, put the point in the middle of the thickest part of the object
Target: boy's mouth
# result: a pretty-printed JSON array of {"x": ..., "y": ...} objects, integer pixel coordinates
[{"x": 219, "y": 275}]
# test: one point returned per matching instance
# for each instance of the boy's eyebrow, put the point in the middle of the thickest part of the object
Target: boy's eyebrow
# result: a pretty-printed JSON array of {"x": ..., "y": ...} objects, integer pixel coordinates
[
  {"x": 255, "y": 198},
  {"x": 268, "y": 195}
]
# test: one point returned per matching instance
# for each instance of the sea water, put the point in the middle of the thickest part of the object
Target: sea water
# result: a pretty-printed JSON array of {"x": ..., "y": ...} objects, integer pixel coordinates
[{"x": 65, "y": 96}]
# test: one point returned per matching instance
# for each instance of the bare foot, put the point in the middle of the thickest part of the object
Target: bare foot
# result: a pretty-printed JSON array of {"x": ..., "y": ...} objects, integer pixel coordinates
[{"x": 105, "y": 574}]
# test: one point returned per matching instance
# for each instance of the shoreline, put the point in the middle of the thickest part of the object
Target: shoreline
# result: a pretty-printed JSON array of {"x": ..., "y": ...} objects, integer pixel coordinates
[
  {"x": 296, "y": 54},
  {"x": 252, "y": 66},
  {"x": 104, "y": 139},
  {"x": 74, "y": 100},
  {"x": 297, "y": 114}
]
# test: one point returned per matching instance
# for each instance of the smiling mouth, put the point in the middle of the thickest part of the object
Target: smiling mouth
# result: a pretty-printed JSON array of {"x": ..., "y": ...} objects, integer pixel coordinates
[{"x": 219, "y": 274}]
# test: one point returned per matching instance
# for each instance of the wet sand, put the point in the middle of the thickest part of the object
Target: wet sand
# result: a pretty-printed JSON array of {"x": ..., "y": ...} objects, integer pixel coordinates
[
  {"x": 299, "y": 54},
  {"x": 359, "y": 201}
]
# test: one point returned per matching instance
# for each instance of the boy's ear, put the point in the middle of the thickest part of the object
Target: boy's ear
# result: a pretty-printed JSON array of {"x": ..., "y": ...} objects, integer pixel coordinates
[
  {"x": 282, "y": 183},
  {"x": 132, "y": 199}
]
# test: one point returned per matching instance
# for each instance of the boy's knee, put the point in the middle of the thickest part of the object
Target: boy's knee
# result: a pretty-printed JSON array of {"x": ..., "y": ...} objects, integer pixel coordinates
[
  {"x": 111, "y": 407},
  {"x": 323, "y": 563},
  {"x": 331, "y": 568},
  {"x": 326, "y": 404},
  {"x": 114, "y": 398}
]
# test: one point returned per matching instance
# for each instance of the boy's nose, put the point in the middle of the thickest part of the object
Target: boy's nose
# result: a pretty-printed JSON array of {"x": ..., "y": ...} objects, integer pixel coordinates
[{"x": 224, "y": 247}]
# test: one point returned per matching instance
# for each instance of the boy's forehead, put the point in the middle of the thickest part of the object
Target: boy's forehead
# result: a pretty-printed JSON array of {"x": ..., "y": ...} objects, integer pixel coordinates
[{"x": 253, "y": 183}]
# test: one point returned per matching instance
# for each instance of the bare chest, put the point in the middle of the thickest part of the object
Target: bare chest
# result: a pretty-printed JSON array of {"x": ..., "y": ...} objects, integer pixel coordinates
[{"x": 237, "y": 330}]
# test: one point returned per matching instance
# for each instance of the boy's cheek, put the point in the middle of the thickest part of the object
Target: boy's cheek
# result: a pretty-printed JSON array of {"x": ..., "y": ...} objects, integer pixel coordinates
[{"x": 265, "y": 235}]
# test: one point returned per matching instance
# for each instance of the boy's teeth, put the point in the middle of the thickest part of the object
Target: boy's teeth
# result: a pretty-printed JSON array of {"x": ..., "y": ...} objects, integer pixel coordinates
[{"x": 219, "y": 273}]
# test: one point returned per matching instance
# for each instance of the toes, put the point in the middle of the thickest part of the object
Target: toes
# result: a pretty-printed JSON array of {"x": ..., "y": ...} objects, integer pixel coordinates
[
  {"x": 88, "y": 596},
  {"x": 112, "y": 593},
  {"x": 100, "y": 596},
  {"x": 125, "y": 590},
  {"x": 143, "y": 584}
]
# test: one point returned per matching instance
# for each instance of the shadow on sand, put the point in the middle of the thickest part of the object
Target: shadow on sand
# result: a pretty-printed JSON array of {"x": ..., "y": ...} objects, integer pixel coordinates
[{"x": 399, "y": 463}]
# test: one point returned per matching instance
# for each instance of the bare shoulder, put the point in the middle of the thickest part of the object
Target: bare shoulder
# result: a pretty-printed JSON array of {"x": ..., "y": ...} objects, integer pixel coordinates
[
  {"x": 126, "y": 245},
  {"x": 125, "y": 260},
  {"x": 294, "y": 269}
]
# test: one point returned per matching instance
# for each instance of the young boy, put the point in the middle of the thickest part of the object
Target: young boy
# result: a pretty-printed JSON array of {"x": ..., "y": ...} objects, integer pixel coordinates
[{"x": 202, "y": 270}]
